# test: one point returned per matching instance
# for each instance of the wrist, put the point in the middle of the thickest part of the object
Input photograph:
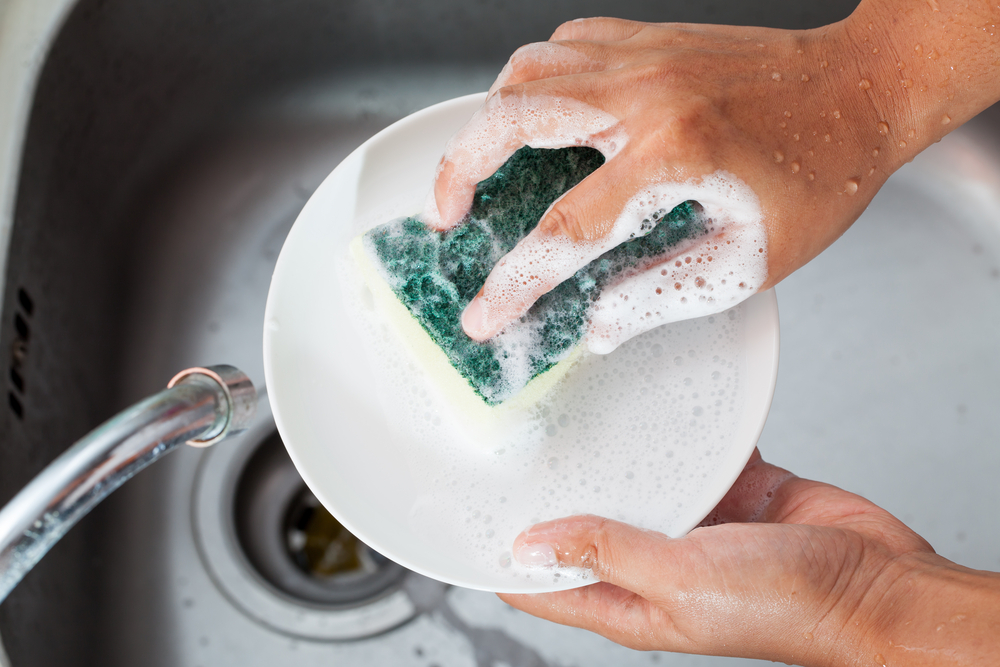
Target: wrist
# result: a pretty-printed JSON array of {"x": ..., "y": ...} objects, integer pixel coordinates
[
  {"x": 930, "y": 611},
  {"x": 934, "y": 63}
]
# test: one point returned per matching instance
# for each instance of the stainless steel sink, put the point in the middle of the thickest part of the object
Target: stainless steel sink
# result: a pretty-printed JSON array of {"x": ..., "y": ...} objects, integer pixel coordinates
[{"x": 171, "y": 146}]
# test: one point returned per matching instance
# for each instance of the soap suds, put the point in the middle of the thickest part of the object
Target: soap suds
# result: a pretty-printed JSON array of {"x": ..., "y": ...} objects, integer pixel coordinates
[
  {"x": 719, "y": 271},
  {"x": 699, "y": 277},
  {"x": 505, "y": 123},
  {"x": 546, "y": 59},
  {"x": 636, "y": 435}
]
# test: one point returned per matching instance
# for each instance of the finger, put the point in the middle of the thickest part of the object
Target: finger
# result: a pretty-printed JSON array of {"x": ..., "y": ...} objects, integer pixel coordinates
[
  {"x": 579, "y": 227},
  {"x": 617, "y": 553},
  {"x": 620, "y": 615},
  {"x": 749, "y": 498},
  {"x": 597, "y": 30},
  {"x": 704, "y": 276},
  {"x": 539, "y": 114},
  {"x": 546, "y": 60}
]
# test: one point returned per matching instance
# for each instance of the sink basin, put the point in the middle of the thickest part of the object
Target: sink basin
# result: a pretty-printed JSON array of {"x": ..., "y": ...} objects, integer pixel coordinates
[{"x": 171, "y": 145}]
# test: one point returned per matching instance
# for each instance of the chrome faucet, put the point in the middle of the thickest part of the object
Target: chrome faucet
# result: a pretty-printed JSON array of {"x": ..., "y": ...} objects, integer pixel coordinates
[{"x": 200, "y": 407}]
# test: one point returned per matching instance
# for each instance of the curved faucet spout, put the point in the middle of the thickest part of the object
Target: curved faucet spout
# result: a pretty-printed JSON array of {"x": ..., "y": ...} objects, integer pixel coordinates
[{"x": 200, "y": 407}]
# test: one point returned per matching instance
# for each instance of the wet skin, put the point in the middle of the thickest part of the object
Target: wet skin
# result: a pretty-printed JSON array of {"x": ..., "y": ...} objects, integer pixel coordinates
[
  {"x": 813, "y": 122},
  {"x": 794, "y": 571}
]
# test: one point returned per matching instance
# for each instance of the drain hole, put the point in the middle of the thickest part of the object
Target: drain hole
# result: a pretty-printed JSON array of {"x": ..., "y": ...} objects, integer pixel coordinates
[
  {"x": 17, "y": 380},
  {"x": 296, "y": 545},
  {"x": 21, "y": 326},
  {"x": 322, "y": 547},
  {"x": 26, "y": 301},
  {"x": 15, "y": 405}
]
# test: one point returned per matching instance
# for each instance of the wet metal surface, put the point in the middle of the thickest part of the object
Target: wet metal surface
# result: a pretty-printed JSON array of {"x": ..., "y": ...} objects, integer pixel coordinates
[{"x": 164, "y": 134}]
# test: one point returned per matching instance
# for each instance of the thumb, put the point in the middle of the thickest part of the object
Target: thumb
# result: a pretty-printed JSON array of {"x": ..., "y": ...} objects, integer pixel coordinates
[
  {"x": 579, "y": 227},
  {"x": 616, "y": 553}
]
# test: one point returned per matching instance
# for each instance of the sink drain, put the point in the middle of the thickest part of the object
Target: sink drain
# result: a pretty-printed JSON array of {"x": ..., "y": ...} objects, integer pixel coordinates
[
  {"x": 296, "y": 544},
  {"x": 281, "y": 558}
]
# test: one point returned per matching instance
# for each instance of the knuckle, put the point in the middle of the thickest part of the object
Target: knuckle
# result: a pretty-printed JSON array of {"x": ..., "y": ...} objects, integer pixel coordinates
[
  {"x": 600, "y": 552},
  {"x": 567, "y": 30},
  {"x": 524, "y": 64},
  {"x": 508, "y": 93},
  {"x": 561, "y": 217}
]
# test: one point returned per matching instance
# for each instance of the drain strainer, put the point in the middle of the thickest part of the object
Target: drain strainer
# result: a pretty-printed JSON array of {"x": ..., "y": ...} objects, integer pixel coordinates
[{"x": 280, "y": 557}]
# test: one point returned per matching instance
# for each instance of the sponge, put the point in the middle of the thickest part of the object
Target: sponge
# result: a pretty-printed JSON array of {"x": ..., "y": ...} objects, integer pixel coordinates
[{"x": 436, "y": 274}]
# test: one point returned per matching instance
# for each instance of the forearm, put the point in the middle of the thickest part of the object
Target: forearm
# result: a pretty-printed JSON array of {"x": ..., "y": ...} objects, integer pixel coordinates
[{"x": 932, "y": 65}]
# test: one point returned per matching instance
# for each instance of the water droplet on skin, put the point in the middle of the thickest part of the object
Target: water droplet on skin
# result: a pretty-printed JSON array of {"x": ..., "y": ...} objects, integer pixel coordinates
[
  {"x": 807, "y": 635},
  {"x": 906, "y": 83},
  {"x": 779, "y": 157},
  {"x": 919, "y": 49},
  {"x": 811, "y": 176},
  {"x": 883, "y": 128},
  {"x": 782, "y": 125},
  {"x": 923, "y": 89},
  {"x": 911, "y": 134},
  {"x": 795, "y": 136},
  {"x": 879, "y": 660},
  {"x": 874, "y": 152},
  {"x": 836, "y": 114},
  {"x": 776, "y": 76},
  {"x": 822, "y": 114},
  {"x": 871, "y": 171},
  {"x": 788, "y": 114},
  {"x": 851, "y": 186},
  {"x": 795, "y": 167},
  {"x": 823, "y": 64},
  {"x": 875, "y": 51},
  {"x": 864, "y": 84},
  {"x": 945, "y": 119},
  {"x": 902, "y": 144},
  {"x": 826, "y": 138},
  {"x": 805, "y": 77},
  {"x": 933, "y": 55}
]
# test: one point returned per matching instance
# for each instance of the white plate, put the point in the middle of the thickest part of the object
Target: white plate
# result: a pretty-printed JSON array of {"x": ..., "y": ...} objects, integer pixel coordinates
[{"x": 653, "y": 434}]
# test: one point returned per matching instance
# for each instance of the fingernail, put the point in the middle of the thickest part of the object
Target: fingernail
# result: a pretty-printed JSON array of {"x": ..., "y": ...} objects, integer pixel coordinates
[
  {"x": 538, "y": 555},
  {"x": 474, "y": 318}
]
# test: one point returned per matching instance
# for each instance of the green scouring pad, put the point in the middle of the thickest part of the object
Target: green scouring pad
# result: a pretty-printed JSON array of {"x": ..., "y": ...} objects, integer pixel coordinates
[{"x": 436, "y": 274}]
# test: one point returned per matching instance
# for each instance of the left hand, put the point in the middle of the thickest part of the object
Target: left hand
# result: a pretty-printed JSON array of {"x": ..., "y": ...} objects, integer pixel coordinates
[{"x": 796, "y": 571}]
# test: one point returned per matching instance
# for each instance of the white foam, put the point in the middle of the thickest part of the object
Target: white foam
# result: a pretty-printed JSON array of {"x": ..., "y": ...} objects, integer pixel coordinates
[
  {"x": 702, "y": 277},
  {"x": 719, "y": 271},
  {"x": 505, "y": 123},
  {"x": 634, "y": 435},
  {"x": 548, "y": 59}
]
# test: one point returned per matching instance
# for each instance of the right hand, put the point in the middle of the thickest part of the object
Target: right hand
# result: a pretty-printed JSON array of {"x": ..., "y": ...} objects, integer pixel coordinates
[{"x": 798, "y": 121}]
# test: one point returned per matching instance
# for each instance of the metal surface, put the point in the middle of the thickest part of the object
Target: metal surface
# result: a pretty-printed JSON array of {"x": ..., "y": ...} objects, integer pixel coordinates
[
  {"x": 197, "y": 408},
  {"x": 188, "y": 135}
]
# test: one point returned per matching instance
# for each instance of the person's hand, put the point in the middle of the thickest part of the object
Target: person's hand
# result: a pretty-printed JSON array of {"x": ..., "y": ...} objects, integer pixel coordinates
[
  {"x": 783, "y": 136},
  {"x": 791, "y": 570}
]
